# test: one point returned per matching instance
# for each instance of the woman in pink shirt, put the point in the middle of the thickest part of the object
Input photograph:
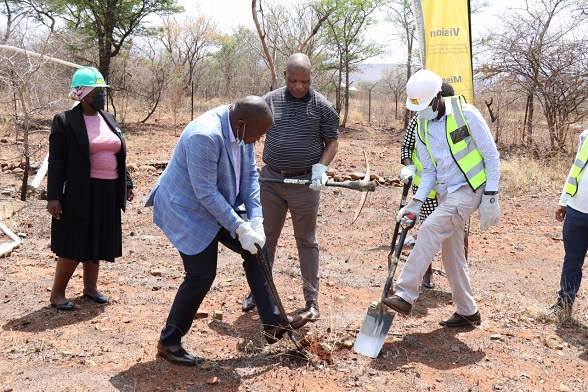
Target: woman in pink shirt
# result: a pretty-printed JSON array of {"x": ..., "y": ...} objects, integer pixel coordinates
[{"x": 88, "y": 185}]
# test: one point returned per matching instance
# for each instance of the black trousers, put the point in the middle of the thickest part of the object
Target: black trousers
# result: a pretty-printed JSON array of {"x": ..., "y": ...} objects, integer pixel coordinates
[{"x": 200, "y": 273}]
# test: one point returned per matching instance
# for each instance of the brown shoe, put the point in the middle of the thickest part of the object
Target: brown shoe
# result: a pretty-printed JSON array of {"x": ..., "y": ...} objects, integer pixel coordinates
[
  {"x": 458, "y": 320},
  {"x": 398, "y": 304},
  {"x": 274, "y": 334}
]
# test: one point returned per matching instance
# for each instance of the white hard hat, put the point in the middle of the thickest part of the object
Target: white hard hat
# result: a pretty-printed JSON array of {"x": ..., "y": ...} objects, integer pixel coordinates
[{"x": 421, "y": 88}]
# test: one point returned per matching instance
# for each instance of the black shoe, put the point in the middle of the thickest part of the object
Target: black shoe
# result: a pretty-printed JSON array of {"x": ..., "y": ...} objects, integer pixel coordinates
[
  {"x": 274, "y": 334},
  {"x": 66, "y": 306},
  {"x": 458, "y": 320},
  {"x": 311, "y": 311},
  {"x": 248, "y": 303},
  {"x": 560, "y": 309},
  {"x": 99, "y": 299},
  {"x": 175, "y": 355}
]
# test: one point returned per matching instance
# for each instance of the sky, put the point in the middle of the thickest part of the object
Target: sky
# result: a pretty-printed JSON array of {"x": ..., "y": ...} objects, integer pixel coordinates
[{"x": 231, "y": 13}]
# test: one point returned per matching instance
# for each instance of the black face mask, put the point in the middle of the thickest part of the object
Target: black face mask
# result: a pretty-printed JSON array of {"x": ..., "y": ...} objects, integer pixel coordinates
[{"x": 97, "y": 102}]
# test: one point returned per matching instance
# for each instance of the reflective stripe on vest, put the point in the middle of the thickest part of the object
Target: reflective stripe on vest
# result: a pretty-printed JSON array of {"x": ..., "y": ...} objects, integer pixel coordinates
[
  {"x": 577, "y": 170},
  {"x": 419, "y": 172},
  {"x": 461, "y": 144}
]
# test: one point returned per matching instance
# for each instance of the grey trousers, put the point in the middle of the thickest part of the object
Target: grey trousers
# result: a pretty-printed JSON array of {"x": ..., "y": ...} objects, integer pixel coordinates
[{"x": 303, "y": 203}]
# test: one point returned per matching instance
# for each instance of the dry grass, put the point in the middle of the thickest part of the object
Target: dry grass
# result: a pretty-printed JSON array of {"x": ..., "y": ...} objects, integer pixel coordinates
[
  {"x": 6, "y": 126},
  {"x": 524, "y": 175}
]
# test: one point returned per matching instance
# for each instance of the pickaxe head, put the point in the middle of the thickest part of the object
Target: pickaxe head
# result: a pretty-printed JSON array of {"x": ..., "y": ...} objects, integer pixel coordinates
[{"x": 364, "y": 186}]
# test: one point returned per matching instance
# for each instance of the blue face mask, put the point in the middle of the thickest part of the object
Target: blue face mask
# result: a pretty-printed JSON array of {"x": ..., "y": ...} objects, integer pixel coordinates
[{"x": 240, "y": 142}]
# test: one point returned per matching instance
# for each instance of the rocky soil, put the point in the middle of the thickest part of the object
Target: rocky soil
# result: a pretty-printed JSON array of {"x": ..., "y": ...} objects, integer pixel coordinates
[{"x": 514, "y": 269}]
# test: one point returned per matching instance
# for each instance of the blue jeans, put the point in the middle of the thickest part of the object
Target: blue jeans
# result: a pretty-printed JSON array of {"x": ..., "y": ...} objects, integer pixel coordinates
[{"x": 575, "y": 238}]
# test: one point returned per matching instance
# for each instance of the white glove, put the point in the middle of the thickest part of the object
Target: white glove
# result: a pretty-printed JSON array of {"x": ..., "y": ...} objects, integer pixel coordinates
[
  {"x": 489, "y": 212},
  {"x": 319, "y": 177},
  {"x": 413, "y": 207},
  {"x": 248, "y": 237},
  {"x": 407, "y": 173},
  {"x": 257, "y": 226}
]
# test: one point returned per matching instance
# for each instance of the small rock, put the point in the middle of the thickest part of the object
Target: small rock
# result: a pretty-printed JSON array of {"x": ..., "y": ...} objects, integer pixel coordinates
[
  {"x": 212, "y": 381},
  {"x": 496, "y": 336},
  {"x": 563, "y": 388},
  {"x": 155, "y": 272},
  {"x": 218, "y": 315},
  {"x": 148, "y": 168},
  {"x": 346, "y": 343},
  {"x": 205, "y": 366}
]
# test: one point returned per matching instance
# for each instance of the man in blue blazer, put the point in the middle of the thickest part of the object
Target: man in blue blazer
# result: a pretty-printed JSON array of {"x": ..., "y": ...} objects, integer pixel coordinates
[{"x": 211, "y": 173}]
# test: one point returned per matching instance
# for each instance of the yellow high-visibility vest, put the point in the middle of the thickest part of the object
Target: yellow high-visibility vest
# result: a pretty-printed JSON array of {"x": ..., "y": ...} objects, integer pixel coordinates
[
  {"x": 577, "y": 170},
  {"x": 419, "y": 172},
  {"x": 461, "y": 143}
]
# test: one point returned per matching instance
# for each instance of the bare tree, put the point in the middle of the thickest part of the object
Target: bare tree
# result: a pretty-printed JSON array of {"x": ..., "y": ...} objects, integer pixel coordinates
[
  {"x": 22, "y": 81},
  {"x": 187, "y": 43},
  {"x": 400, "y": 14},
  {"x": 346, "y": 23},
  {"x": 285, "y": 31},
  {"x": 394, "y": 79},
  {"x": 542, "y": 48}
]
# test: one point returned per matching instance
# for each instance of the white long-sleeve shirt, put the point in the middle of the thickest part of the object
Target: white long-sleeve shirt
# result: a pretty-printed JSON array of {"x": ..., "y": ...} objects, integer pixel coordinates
[
  {"x": 578, "y": 202},
  {"x": 447, "y": 173}
]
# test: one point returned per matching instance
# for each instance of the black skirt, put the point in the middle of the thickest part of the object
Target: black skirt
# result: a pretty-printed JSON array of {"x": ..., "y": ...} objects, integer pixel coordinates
[{"x": 97, "y": 238}]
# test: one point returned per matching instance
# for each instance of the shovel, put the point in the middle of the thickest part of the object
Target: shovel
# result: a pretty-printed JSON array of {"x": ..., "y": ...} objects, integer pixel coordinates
[
  {"x": 270, "y": 282},
  {"x": 397, "y": 227},
  {"x": 377, "y": 322}
]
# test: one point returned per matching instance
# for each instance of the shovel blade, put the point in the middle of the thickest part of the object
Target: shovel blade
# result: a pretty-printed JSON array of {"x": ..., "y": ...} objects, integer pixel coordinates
[{"x": 373, "y": 332}]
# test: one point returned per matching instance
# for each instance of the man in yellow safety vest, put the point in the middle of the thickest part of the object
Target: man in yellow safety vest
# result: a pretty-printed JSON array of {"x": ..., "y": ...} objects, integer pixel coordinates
[
  {"x": 573, "y": 212},
  {"x": 461, "y": 162}
]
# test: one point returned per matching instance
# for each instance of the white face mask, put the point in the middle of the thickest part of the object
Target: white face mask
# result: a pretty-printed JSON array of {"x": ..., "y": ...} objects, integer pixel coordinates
[
  {"x": 428, "y": 113},
  {"x": 241, "y": 142}
]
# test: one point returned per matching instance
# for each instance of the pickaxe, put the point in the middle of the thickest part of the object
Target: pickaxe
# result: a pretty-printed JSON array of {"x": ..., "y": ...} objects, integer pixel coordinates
[{"x": 364, "y": 185}]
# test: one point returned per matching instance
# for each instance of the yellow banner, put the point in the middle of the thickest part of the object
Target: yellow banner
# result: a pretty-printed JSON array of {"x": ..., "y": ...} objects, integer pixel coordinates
[{"x": 444, "y": 36}]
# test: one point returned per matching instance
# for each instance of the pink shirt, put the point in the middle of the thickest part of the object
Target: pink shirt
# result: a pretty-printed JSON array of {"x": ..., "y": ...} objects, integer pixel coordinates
[{"x": 104, "y": 145}]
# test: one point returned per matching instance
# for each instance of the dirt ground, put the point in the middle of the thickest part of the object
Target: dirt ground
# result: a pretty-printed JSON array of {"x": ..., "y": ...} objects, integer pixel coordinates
[{"x": 514, "y": 269}]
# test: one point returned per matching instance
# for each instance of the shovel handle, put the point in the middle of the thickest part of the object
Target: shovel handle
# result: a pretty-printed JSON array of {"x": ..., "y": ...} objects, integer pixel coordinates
[
  {"x": 270, "y": 282},
  {"x": 410, "y": 224},
  {"x": 397, "y": 227}
]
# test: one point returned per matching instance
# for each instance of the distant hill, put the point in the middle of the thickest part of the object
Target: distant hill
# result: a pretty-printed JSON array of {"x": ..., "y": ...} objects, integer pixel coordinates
[{"x": 370, "y": 73}]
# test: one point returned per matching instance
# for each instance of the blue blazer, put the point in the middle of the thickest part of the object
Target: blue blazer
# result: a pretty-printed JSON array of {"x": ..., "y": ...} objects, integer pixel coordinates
[{"x": 196, "y": 193}]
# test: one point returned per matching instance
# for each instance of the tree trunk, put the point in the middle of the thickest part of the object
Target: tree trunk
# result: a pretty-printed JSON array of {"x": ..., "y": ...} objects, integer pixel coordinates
[
  {"x": 26, "y": 152},
  {"x": 529, "y": 120},
  {"x": 269, "y": 58},
  {"x": 346, "y": 95}
]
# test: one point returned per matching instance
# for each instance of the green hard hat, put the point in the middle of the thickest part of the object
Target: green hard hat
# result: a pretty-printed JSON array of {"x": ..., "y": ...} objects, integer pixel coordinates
[{"x": 88, "y": 76}]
